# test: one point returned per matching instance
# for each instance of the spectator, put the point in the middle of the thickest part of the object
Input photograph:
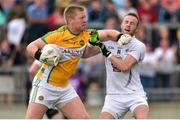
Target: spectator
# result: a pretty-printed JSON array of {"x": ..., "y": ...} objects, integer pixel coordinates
[
  {"x": 38, "y": 19},
  {"x": 148, "y": 72},
  {"x": 6, "y": 6},
  {"x": 109, "y": 10},
  {"x": 169, "y": 12},
  {"x": 112, "y": 22},
  {"x": 162, "y": 32},
  {"x": 11, "y": 55},
  {"x": 164, "y": 57},
  {"x": 56, "y": 19},
  {"x": 95, "y": 11},
  {"x": 15, "y": 31},
  {"x": 16, "y": 23},
  {"x": 50, "y": 6},
  {"x": 29, "y": 2},
  {"x": 7, "y": 82},
  {"x": 62, "y": 4},
  {"x": 141, "y": 34},
  {"x": 2, "y": 19},
  {"x": 177, "y": 59},
  {"x": 6, "y": 54},
  {"x": 119, "y": 3},
  {"x": 17, "y": 11},
  {"x": 147, "y": 13},
  {"x": 165, "y": 3},
  {"x": 128, "y": 8},
  {"x": 2, "y": 16},
  {"x": 82, "y": 2}
]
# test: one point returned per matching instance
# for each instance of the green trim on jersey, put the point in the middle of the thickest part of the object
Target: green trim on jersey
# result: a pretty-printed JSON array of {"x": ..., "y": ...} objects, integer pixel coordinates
[
  {"x": 50, "y": 74},
  {"x": 61, "y": 29},
  {"x": 72, "y": 32},
  {"x": 42, "y": 70},
  {"x": 42, "y": 38}
]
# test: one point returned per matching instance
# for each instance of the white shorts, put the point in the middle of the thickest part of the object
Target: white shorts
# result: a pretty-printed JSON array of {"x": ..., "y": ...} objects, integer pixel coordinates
[
  {"x": 51, "y": 96},
  {"x": 119, "y": 105}
]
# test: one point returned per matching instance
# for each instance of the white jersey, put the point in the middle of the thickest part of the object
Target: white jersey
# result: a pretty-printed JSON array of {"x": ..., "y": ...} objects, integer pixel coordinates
[{"x": 124, "y": 82}]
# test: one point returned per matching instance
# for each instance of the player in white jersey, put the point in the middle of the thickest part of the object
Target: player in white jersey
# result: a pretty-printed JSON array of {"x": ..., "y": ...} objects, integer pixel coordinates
[
  {"x": 123, "y": 85},
  {"x": 119, "y": 82}
]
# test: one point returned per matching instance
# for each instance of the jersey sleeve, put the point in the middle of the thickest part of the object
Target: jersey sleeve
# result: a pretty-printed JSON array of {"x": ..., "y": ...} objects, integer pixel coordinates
[
  {"x": 51, "y": 37},
  {"x": 138, "y": 52}
]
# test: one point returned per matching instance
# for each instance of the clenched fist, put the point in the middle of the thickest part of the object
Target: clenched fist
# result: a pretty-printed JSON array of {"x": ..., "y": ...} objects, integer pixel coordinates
[{"x": 124, "y": 39}]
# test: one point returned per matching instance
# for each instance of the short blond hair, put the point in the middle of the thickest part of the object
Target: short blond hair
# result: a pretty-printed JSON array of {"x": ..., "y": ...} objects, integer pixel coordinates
[{"x": 71, "y": 10}]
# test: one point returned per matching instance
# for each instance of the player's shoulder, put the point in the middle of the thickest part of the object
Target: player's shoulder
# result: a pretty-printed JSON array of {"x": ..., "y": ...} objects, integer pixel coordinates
[
  {"x": 137, "y": 44},
  {"x": 136, "y": 41},
  {"x": 62, "y": 28}
]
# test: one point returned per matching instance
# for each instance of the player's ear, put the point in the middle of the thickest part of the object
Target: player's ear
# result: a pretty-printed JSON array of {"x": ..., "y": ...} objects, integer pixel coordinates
[
  {"x": 68, "y": 20},
  {"x": 137, "y": 29}
]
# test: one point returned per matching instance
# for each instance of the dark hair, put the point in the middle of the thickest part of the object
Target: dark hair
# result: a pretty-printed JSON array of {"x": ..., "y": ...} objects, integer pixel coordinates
[
  {"x": 134, "y": 15},
  {"x": 18, "y": 2}
]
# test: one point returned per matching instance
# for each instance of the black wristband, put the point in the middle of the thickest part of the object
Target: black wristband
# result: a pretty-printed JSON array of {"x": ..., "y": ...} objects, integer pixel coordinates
[
  {"x": 98, "y": 37},
  {"x": 105, "y": 52},
  {"x": 119, "y": 36},
  {"x": 37, "y": 54}
]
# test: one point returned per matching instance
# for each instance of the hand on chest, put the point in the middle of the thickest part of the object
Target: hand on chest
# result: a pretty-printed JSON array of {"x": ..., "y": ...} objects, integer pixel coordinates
[{"x": 121, "y": 52}]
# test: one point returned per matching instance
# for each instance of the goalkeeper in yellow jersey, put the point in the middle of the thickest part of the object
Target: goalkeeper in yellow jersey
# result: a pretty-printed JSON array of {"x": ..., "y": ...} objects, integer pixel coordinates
[{"x": 60, "y": 51}]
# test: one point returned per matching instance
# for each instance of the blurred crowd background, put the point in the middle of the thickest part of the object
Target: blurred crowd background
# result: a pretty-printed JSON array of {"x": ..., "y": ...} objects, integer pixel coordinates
[{"x": 22, "y": 21}]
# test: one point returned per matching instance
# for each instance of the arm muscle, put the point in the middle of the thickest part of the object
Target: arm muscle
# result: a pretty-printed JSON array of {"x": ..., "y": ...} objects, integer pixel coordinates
[{"x": 123, "y": 65}]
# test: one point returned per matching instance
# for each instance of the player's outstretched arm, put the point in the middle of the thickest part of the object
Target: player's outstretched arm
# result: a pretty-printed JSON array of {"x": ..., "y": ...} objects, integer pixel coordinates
[
  {"x": 114, "y": 35},
  {"x": 105, "y": 35},
  {"x": 90, "y": 51}
]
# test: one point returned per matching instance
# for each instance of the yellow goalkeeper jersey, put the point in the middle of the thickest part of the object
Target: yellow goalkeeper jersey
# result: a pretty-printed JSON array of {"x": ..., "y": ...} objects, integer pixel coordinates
[{"x": 72, "y": 47}]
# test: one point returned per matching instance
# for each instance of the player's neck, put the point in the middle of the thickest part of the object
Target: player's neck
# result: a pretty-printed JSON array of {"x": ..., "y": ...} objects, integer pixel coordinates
[{"x": 73, "y": 30}]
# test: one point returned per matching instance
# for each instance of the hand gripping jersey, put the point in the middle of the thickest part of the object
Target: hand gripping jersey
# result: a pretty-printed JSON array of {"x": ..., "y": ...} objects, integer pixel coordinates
[
  {"x": 124, "y": 82},
  {"x": 72, "y": 47}
]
